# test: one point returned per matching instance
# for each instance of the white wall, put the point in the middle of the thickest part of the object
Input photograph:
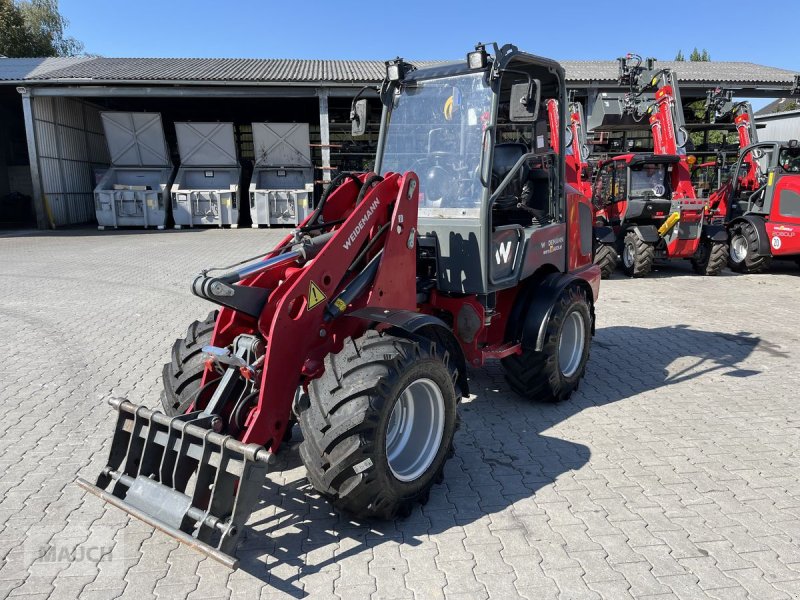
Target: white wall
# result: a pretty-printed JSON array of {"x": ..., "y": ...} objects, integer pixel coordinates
[{"x": 779, "y": 127}]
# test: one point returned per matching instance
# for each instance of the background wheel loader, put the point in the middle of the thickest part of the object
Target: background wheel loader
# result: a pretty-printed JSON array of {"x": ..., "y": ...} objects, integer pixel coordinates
[
  {"x": 646, "y": 207},
  {"x": 466, "y": 244}
]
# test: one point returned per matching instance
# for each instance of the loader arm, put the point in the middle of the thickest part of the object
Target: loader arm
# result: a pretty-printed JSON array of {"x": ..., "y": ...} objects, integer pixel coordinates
[{"x": 297, "y": 321}]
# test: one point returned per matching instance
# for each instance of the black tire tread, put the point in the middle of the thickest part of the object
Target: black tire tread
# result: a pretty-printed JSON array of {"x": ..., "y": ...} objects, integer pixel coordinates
[
  {"x": 182, "y": 375},
  {"x": 751, "y": 263},
  {"x": 606, "y": 258},
  {"x": 536, "y": 375},
  {"x": 340, "y": 418},
  {"x": 712, "y": 258},
  {"x": 644, "y": 256}
]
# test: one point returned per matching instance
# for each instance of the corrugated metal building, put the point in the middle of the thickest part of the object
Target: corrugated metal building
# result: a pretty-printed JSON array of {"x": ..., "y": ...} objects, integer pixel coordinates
[
  {"x": 779, "y": 120},
  {"x": 61, "y": 99}
]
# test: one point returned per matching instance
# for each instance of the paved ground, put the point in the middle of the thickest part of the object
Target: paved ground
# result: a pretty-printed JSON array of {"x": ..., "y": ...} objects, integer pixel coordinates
[{"x": 672, "y": 473}]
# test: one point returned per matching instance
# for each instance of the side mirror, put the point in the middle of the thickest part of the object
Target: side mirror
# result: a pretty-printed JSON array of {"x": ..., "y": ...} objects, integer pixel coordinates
[
  {"x": 525, "y": 100},
  {"x": 358, "y": 116}
]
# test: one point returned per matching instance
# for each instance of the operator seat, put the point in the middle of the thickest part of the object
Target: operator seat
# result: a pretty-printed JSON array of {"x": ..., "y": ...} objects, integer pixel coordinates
[
  {"x": 504, "y": 210},
  {"x": 505, "y": 157}
]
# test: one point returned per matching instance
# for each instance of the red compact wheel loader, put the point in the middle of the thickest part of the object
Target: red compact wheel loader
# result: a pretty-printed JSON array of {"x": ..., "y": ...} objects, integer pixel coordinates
[
  {"x": 466, "y": 244},
  {"x": 761, "y": 205},
  {"x": 760, "y": 201},
  {"x": 646, "y": 207}
]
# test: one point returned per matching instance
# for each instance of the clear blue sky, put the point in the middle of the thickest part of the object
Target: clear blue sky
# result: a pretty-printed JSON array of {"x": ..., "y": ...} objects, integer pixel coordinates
[{"x": 431, "y": 29}]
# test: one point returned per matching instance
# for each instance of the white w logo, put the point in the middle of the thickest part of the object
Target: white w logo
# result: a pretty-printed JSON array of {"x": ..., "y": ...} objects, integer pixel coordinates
[{"x": 503, "y": 253}]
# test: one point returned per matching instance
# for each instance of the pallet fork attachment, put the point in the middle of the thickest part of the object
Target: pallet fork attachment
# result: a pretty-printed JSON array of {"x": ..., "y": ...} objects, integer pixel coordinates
[{"x": 181, "y": 477}]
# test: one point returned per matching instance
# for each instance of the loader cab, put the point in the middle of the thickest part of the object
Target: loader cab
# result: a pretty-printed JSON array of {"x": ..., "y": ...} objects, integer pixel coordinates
[
  {"x": 635, "y": 187},
  {"x": 766, "y": 181},
  {"x": 748, "y": 194},
  {"x": 477, "y": 135}
]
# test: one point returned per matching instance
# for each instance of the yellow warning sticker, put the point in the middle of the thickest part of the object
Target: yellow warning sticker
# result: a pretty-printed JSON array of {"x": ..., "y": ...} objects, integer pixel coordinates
[{"x": 315, "y": 296}]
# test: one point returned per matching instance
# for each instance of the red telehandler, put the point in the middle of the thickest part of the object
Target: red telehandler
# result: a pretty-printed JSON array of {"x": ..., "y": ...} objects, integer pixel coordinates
[
  {"x": 646, "y": 207},
  {"x": 710, "y": 178},
  {"x": 359, "y": 325}
]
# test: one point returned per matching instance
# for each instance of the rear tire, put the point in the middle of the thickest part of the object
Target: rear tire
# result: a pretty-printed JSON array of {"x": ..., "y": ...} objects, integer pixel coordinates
[
  {"x": 367, "y": 458},
  {"x": 710, "y": 258},
  {"x": 554, "y": 373},
  {"x": 637, "y": 255},
  {"x": 744, "y": 249},
  {"x": 183, "y": 374},
  {"x": 606, "y": 257}
]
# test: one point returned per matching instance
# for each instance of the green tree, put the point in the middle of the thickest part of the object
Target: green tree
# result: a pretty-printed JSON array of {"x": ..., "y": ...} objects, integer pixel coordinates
[
  {"x": 34, "y": 28},
  {"x": 679, "y": 57},
  {"x": 13, "y": 32},
  {"x": 698, "y": 56}
]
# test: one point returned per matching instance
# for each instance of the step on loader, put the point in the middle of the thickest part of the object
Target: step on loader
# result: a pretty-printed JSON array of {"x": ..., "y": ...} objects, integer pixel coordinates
[{"x": 465, "y": 245}]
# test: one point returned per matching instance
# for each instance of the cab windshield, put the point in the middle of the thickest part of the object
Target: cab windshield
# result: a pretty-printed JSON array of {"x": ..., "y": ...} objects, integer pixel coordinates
[
  {"x": 648, "y": 181},
  {"x": 435, "y": 129}
]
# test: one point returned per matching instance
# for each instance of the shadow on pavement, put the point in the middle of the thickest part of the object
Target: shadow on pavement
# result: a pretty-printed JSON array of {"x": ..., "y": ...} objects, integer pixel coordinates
[{"x": 487, "y": 474}]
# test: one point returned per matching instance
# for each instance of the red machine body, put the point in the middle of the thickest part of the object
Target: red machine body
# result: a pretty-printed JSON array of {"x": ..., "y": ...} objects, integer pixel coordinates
[{"x": 359, "y": 325}]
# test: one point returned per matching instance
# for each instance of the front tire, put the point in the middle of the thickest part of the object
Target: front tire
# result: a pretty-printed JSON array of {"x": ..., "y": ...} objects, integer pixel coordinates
[
  {"x": 710, "y": 258},
  {"x": 378, "y": 425},
  {"x": 744, "y": 250},
  {"x": 554, "y": 373},
  {"x": 606, "y": 257},
  {"x": 637, "y": 255},
  {"x": 183, "y": 374}
]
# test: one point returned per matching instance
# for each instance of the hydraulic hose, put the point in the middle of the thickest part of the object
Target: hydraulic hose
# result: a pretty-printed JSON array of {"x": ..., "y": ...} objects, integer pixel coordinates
[{"x": 337, "y": 181}]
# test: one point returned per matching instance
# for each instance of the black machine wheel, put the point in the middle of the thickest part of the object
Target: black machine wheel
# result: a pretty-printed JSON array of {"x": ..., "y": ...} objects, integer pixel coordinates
[
  {"x": 744, "y": 250},
  {"x": 554, "y": 373},
  {"x": 710, "y": 258},
  {"x": 182, "y": 375},
  {"x": 606, "y": 257},
  {"x": 637, "y": 255},
  {"x": 378, "y": 425}
]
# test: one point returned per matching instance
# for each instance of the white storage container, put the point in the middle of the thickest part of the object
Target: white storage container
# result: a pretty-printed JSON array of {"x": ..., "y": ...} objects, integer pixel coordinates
[
  {"x": 282, "y": 186},
  {"x": 134, "y": 191},
  {"x": 206, "y": 188}
]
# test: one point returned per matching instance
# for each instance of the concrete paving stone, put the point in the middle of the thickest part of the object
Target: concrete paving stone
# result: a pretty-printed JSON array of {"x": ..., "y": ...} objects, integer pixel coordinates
[
  {"x": 618, "y": 589},
  {"x": 427, "y": 588},
  {"x": 756, "y": 585},
  {"x": 771, "y": 566},
  {"x": 707, "y": 571}
]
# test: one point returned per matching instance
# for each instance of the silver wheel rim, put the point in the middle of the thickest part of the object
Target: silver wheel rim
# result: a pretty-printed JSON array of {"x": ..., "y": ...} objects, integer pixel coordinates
[
  {"x": 571, "y": 343},
  {"x": 628, "y": 255},
  {"x": 414, "y": 433},
  {"x": 738, "y": 249}
]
